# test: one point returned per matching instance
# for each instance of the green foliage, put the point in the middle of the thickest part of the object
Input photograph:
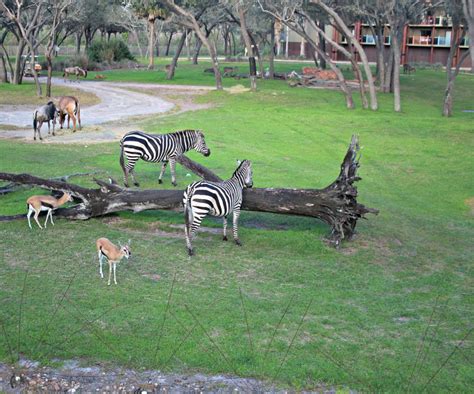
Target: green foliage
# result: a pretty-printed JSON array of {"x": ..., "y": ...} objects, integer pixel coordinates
[{"x": 114, "y": 50}]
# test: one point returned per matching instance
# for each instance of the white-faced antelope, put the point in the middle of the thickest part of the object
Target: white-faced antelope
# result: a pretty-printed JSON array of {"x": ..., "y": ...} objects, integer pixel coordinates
[
  {"x": 113, "y": 254},
  {"x": 37, "y": 204}
]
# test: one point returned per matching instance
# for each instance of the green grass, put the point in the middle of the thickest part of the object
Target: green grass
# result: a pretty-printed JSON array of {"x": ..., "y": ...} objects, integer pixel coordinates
[{"x": 407, "y": 276}]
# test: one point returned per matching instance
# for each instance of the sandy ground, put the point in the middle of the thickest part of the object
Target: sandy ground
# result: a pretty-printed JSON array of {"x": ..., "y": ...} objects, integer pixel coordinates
[{"x": 122, "y": 106}]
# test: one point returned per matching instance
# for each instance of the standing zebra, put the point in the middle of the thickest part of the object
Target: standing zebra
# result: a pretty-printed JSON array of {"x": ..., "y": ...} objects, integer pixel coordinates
[
  {"x": 216, "y": 199},
  {"x": 161, "y": 147}
]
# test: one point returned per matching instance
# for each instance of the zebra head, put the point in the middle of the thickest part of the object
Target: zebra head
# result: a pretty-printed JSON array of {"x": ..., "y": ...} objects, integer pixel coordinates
[
  {"x": 200, "y": 145},
  {"x": 244, "y": 173}
]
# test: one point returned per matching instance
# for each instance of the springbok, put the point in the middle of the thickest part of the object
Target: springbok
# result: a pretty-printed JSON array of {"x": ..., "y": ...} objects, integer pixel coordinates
[
  {"x": 69, "y": 106},
  {"x": 113, "y": 254},
  {"x": 46, "y": 113},
  {"x": 77, "y": 71},
  {"x": 37, "y": 204}
]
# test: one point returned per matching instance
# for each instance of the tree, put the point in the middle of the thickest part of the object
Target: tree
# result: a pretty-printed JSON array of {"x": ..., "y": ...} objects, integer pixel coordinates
[
  {"x": 468, "y": 9},
  {"x": 285, "y": 12},
  {"x": 339, "y": 22},
  {"x": 58, "y": 15},
  {"x": 188, "y": 19},
  {"x": 28, "y": 17},
  {"x": 457, "y": 12},
  {"x": 151, "y": 10}
]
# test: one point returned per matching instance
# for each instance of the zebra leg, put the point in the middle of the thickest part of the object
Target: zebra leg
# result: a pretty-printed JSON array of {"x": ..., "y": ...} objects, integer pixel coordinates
[
  {"x": 39, "y": 130},
  {"x": 49, "y": 128},
  {"x": 173, "y": 172},
  {"x": 224, "y": 219},
  {"x": 163, "y": 168},
  {"x": 135, "y": 182},
  {"x": 191, "y": 234},
  {"x": 235, "y": 228}
]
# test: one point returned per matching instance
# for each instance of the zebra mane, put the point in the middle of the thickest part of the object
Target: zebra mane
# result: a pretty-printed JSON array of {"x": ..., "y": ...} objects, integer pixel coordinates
[{"x": 241, "y": 165}]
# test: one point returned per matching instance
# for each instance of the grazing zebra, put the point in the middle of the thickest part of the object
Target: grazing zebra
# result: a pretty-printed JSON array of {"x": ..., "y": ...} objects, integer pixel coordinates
[
  {"x": 77, "y": 71},
  {"x": 216, "y": 199},
  {"x": 46, "y": 113},
  {"x": 161, "y": 147}
]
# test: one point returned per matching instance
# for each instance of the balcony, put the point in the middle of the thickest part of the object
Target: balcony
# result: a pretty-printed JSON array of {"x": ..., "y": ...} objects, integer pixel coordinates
[
  {"x": 419, "y": 40},
  {"x": 368, "y": 39},
  {"x": 442, "y": 41},
  {"x": 464, "y": 42}
]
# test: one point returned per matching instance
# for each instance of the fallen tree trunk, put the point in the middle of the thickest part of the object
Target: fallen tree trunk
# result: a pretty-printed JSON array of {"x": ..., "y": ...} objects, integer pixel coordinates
[{"x": 336, "y": 204}]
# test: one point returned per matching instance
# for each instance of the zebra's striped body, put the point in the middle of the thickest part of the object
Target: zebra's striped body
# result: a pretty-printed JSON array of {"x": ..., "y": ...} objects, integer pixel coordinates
[
  {"x": 216, "y": 199},
  {"x": 159, "y": 148}
]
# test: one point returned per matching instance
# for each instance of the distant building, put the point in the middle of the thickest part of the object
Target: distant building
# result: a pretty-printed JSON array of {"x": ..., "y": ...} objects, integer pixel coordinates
[{"x": 428, "y": 41}]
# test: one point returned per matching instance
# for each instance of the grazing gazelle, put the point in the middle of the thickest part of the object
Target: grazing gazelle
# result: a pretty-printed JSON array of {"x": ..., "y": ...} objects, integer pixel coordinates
[
  {"x": 37, "y": 204},
  {"x": 113, "y": 254}
]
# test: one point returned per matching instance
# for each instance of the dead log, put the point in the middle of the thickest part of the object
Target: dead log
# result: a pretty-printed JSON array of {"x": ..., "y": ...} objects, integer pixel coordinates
[{"x": 336, "y": 204}]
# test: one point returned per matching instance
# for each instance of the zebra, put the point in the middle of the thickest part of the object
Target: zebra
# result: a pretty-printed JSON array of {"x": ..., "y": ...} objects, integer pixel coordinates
[
  {"x": 46, "y": 113},
  {"x": 216, "y": 199},
  {"x": 161, "y": 147}
]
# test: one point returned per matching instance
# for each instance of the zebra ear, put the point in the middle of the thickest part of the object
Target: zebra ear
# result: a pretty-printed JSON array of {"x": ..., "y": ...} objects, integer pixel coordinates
[
  {"x": 129, "y": 242},
  {"x": 239, "y": 162}
]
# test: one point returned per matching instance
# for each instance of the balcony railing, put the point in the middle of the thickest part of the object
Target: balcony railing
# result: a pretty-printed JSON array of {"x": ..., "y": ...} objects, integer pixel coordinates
[
  {"x": 442, "y": 41},
  {"x": 419, "y": 40}
]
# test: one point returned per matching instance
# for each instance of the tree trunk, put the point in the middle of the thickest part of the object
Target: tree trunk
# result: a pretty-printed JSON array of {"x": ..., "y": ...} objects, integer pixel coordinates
[
  {"x": 396, "y": 72},
  {"x": 50, "y": 74},
  {"x": 3, "y": 70},
  {"x": 151, "y": 42},
  {"x": 336, "y": 204},
  {"x": 174, "y": 62},
  {"x": 197, "y": 49},
  {"x": 78, "y": 43},
  {"x": 39, "y": 92},
  {"x": 168, "y": 44},
  {"x": 322, "y": 46},
  {"x": 272, "y": 52},
  {"x": 248, "y": 45},
  {"x": 19, "y": 61},
  {"x": 259, "y": 55}
]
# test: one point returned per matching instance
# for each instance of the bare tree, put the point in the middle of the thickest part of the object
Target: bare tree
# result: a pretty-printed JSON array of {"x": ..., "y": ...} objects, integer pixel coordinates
[
  {"x": 285, "y": 12},
  {"x": 468, "y": 9},
  {"x": 455, "y": 9},
  {"x": 57, "y": 9},
  {"x": 28, "y": 18},
  {"x": 189, "y": 20}
]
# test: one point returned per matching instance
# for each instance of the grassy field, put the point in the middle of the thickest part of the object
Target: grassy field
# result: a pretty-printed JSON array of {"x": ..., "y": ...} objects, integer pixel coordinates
[{"x": 391, "y": 311}]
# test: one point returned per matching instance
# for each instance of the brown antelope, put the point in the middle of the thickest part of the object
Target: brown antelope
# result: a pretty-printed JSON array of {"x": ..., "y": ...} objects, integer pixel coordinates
[
  {"x": 77, "y": 71},
  {"x": 37, "y": 204},
  {"x": 113, "y": 254},
  {"x": 69, "y": 105}
]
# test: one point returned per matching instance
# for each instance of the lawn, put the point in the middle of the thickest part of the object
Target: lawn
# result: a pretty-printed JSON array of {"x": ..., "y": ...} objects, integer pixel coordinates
[{"x": 391, "y": 311}]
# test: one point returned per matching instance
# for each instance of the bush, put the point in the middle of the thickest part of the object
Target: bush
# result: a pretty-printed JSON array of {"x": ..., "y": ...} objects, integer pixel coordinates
[{"x": 109, "y": 51}]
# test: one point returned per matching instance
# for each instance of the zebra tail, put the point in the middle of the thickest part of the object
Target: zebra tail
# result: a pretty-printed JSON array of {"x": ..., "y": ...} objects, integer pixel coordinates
[
  {"x": 35, "y": 122},
  {"x": 188, "y": 213},
  {"x": 122, "y": 160}
]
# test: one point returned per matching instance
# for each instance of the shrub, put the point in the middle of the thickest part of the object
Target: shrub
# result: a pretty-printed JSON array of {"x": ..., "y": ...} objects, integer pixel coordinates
[{"x": 109, "y": 51}]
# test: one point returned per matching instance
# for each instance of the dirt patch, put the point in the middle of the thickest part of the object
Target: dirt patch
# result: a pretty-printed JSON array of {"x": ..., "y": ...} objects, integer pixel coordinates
[
  {"x": 71, "y": 378},
  {"x": 153, "y": 277},
  {"x": 470, "y": 203},
  {"x": 237, "y": 89}
]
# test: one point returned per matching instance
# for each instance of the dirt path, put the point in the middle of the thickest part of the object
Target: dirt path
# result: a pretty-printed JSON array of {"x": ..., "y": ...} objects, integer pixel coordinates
[
  {"x": 72, "y": 378},
  {"x": 122, "y": 105}
]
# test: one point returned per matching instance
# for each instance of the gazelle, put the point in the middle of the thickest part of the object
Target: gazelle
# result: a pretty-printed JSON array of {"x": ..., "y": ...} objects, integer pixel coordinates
[
  {"x": 37, "y": 204},
  {"x": 113, "y": 254}
]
